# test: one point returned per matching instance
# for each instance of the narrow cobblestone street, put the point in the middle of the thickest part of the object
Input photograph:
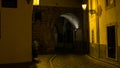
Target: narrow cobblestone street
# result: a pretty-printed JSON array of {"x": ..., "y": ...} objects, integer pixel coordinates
[
  {"x": 44, "y": 61},
  {"x": 78, "y": 61},
  {"x": 70, "y": 61}
]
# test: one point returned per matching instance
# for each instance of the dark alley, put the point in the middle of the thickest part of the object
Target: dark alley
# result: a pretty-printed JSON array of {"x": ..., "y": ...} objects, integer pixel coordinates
[{"x": 59, "y": 34}]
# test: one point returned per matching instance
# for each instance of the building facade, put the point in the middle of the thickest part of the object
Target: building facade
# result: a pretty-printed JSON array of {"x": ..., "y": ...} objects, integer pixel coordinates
[
  {"x": 16, "y": 34},
  {"x": 104, "y": 30},
  {"x": 98, "y": 31}
]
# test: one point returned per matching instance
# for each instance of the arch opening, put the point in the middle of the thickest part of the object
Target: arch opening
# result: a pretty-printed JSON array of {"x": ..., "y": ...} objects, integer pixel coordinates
[
  {"x": 65, "y": 31},
  {"x": 72, "y": 19}
]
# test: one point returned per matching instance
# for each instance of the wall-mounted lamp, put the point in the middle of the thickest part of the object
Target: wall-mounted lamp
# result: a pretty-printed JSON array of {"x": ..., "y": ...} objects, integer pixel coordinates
[
  {"x": 84, "y": 7},
  {"x": 36, "y": 2}
]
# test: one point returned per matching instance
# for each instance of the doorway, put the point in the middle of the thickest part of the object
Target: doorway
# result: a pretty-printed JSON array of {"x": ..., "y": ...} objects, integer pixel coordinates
[{"x": 111, "y": 40}]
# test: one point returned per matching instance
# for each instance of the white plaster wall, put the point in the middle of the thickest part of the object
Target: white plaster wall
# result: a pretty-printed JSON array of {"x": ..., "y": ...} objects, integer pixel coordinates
[
  {"x": 15, "y": 44},
  {"x": 61, "y": 3}
]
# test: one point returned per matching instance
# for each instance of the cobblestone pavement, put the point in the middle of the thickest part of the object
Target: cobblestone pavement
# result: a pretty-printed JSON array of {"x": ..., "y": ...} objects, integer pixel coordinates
[
  {"x": 44, "y": 61},
  {"x": 70, "y": 61},
  {"x": 78, "y": 61}
]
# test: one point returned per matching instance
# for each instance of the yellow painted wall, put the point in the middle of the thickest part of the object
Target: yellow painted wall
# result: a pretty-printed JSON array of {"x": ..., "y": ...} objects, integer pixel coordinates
[
  {"x": 15, "y": 44},
  {"x": 118, "y": 20},
  {"x": 92, "y": 26},
  {"x": 61, "y": 3},
  {"x": 110, "y": 16},
  {"x": 118, "y": 27},
  {"x": 93, "y": 21}
]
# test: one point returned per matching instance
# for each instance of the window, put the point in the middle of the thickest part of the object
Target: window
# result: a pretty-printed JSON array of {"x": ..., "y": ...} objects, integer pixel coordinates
[
  {"x": 38, "y": 16},
  {"x": 107, "y": 2},
  {"x": 92, "y": 36},
  {"x": 9, "y": 3},
  {"x": 110, "y": 3}
]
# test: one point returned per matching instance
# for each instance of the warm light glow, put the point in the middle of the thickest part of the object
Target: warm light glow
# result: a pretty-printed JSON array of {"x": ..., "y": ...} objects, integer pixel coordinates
[
  {"x": 73, "y": 19},
  {"x": 36, "y": 2},
  {"x": 84, "y": 6}
]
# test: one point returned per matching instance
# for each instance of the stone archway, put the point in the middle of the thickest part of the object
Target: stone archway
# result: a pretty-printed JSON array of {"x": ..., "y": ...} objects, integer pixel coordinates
[
  {"x": 72, "y": 19},
  {"x": 66, "y": 27},
  {"x": 43, "y": 30}
]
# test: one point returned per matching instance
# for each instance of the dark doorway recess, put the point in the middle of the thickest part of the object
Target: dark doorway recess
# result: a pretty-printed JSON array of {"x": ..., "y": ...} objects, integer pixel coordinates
[
  {"x": 111, "y": 41},
  {"x": 64, "y": 35}
]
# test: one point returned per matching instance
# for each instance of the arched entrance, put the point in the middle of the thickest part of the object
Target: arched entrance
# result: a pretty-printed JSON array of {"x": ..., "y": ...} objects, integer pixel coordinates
[{"x": 65, "y": 32}]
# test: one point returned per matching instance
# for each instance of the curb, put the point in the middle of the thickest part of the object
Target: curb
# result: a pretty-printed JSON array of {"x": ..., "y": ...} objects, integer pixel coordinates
[
  {"x": 51, "y": 59},
  {"x": 100, "y": 60}
]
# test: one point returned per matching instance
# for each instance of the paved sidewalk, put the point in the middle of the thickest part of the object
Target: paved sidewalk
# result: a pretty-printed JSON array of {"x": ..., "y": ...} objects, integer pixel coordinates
[{"x": 78, "y": 61}]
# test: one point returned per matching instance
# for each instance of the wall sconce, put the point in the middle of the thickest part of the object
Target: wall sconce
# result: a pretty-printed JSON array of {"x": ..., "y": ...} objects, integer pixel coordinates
[
  {"x": 84, "y": 7},
  {"x": 36, "y": 2}
]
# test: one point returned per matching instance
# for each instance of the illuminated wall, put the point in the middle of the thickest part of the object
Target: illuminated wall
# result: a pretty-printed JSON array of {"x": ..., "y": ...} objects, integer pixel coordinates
[
  {"x": 105, "y": 16},
  {"x": 93, "y": 29},
  {"x": 15, "y": 42}
]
